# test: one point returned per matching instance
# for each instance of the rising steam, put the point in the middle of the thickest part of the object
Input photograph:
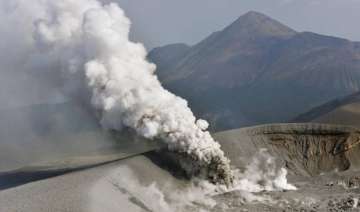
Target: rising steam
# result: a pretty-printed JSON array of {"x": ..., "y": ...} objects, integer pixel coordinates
[
  {"x": 87, "y": 43},
  {"x": 263, "y": 174}
]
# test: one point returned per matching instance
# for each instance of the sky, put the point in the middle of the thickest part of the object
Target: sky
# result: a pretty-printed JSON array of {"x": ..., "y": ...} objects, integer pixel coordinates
[{"x": 161, "y": 22}]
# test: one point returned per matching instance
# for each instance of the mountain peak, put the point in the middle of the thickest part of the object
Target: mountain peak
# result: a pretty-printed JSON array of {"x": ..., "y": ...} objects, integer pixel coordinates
[
  {"x": 256, "y": 23},
  {"x": 254, "y": 14}
]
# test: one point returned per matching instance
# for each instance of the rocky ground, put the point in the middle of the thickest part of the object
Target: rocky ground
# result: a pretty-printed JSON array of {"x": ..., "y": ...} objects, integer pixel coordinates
[{"x": 333, "y": 193}]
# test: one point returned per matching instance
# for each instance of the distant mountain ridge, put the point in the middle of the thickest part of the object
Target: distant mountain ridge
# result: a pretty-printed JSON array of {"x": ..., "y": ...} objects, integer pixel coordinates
[
  {"x": 345, "y": 111},
  {"x": 258, "y": 71},
  {"x": 168, "y": 55}
]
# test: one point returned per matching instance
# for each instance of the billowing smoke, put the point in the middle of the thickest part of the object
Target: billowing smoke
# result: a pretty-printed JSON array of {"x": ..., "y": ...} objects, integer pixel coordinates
[
  {"x": 87, "y": 44},
  {"x": 263, "y": 174}
]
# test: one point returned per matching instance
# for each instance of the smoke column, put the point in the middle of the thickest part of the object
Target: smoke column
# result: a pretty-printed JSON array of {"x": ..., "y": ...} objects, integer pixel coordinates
[{"x": 88, "y": 44}]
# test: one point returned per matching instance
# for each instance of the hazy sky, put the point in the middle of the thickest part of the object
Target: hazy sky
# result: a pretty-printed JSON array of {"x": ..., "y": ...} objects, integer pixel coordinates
[{"x": 159, "y": 22}]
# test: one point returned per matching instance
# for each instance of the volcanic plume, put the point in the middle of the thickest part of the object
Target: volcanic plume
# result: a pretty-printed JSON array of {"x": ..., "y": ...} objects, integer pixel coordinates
[{"x": 87, "y": 44}]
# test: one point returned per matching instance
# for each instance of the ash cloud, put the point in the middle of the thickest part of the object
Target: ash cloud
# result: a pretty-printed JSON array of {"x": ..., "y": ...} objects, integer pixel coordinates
[{"x": 86, "y": 44}]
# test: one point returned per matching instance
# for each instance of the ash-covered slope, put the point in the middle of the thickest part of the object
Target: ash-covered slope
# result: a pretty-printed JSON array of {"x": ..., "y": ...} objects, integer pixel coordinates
[
  {"x": 322, "y": 159},
  {"x": 248, "y": 72},
  {"x": 344, "y": 111}
]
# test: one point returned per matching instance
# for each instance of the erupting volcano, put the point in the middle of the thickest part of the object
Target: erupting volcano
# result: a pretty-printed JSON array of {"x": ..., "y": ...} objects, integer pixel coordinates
[{"x": 87, "y": 43}]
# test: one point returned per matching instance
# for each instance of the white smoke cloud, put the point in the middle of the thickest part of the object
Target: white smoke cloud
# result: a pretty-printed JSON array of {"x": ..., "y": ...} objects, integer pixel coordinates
[
  {"x": 87, "y": 44},
  {"x": 263, "y": 174}
]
